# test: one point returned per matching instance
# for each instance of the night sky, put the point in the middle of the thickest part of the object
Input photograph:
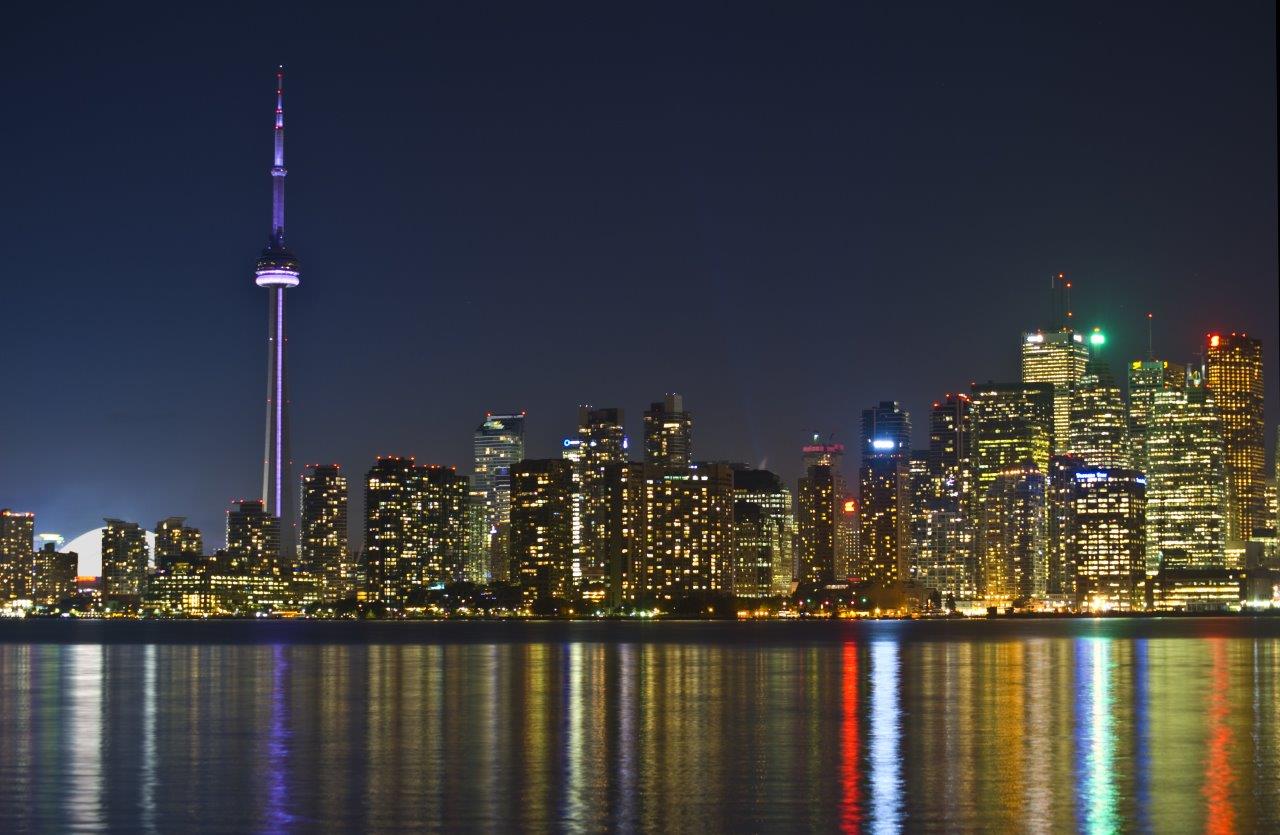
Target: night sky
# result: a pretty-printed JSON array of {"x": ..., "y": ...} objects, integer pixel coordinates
[{"x": 785, "y": 214}]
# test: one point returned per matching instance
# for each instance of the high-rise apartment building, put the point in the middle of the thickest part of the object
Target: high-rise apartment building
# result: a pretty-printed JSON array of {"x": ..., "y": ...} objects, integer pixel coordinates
[
  {"x": 945, "y": 504},
  {"x": 324, "y": 549},
  {"x": 766, "y": 491},
  {"x": 393, "y": 529},
  {"x": 1013, "y": 537},
  {"x": 884, "y": 493},
  {"x": 17, "y": 532},
  {"x": 602, "y": 440},
  {"x": 124, "y": 562},
  {"x": 253, "y": 539},
  {"x": 177, "y": 544},
  {"x": 820, "y": 493},
  {"x": 1233, "y": 372},
  {"x": 498, "y": 445},
  {"x": 54, "y": 576},
  {"x": 443, "y": 526},
  {"x": 1108, "y": 536},
  {"x": 668, "y": 428},
  {"x": 624, "y": 494},
  {"x": 541, "y": 527},
  {"x": 1186, "y": 479},
  {"x": 1056, "y": 358},
  {"x": 688, "y": 533},
  {"x": 1098, "y": 430}
]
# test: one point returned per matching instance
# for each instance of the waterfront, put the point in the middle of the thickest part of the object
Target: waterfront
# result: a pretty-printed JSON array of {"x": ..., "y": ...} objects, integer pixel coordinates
[{"x": 1074, "y": 724}]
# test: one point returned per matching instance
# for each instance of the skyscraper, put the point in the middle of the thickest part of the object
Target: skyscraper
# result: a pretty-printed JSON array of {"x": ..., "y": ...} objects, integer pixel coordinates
[
  {"x": 1061, "y": 548},
  {"x": 884, "y": 492},
  {"x": 541, "y": 528},
  {"x": 818, "y": 498},
  {"x": 323, "y": 544},
  {"x": 1098, "y": 430},
  {"x": 688, "y": 532},
  {"x": 1013, "y": 537},
  {"x": 498, "y": 444},
  {"x": 277, "y": 270},
  {"x": 766, "y": 491},
  {"x": 1233, "y": 370},
  {"x": 444, "y": 525},
  {"x": 177, "y": 543},
  {"x": 624, "y": 521},
  {"x": 1186, "y": 480},
  {"x": 602, "y": 441},
  {"x": 1012, "y": 424},
  {"x": 124, "y": 562},
  {"x": 668, "y": 428},
  {"x": 1057, "y": 358},
  {"x": 253, "y": 539},
  {"x": 54, "y": 577},
  {"x": 944, "y": 540},
  {"x": 1108, "y": 536},
  {"x": 393, "y": 529},
  {"x": 1146, "y": 377},
  {"x": 17, "y": 532}
]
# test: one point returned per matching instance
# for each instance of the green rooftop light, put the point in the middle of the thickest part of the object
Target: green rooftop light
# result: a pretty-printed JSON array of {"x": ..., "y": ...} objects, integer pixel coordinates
[{"x": 1097, "y": 338}]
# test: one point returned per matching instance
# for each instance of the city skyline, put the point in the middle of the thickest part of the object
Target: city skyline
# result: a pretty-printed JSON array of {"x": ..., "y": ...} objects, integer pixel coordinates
[{"x": 182, "y": 448}]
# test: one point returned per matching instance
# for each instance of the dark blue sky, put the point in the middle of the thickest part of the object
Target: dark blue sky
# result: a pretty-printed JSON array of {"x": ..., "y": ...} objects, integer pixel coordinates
[{"x": 784, "y": 213}]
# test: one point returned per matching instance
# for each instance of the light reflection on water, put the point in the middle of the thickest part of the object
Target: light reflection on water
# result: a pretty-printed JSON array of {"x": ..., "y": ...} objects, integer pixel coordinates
[{"x": 879, "y": 727}]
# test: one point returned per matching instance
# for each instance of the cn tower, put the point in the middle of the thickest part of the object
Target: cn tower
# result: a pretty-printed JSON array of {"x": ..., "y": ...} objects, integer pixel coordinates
[{"x": 277, "y": 271}]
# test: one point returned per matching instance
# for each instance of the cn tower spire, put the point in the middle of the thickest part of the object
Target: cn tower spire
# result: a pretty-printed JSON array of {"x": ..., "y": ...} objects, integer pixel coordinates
[{"x": 278, "y": 171}]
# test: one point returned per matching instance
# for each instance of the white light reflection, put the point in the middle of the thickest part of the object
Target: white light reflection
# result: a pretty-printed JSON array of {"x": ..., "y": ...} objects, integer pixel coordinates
[
  {"x": 886, "y": 725},
  {"x": 85, "y": 738}
]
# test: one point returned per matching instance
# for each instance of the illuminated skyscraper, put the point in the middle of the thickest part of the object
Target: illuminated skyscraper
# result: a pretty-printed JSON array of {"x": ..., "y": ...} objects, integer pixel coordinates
[
  {"x": 176, "y": 543},
  {"x": 444, "y": 525},
  {"x": 1061, "y": 501},
  {"x": 1186, "y": 480},
  {"x": 1108, "y": 536},
  {"x": 819, "y": 495},
  {"x": 54, "y": 577},
  {"x": 324, "y": 547},
  {"x": 1012, "y": 424},
  {"x": 541, "y": 527},
  {"x": 124, "y": 562},
  {"x": 393, "y": 529},
  {"x": 1057, "y": 358},
  {"x": 624, "y": 492},
  {"x": 277, "y": 270},
  {"x": 17, "y": 531},
  {"x": 1146, "y": 377},
  {"x": 1233, "y": 369},
  {"x": 602, "y": 441},
  {"x": 1098, "y": 430},
  {"x": 1013, "y": 537},
  {"x": 688, "y": 533},
  {"x": 766, "y": 491},
  {"x": 943, "y": 535},
  {"x": 884, "y": 493},
  {"x": 668, "y": 441},
  {"x": 253, "y": 539},
  {"x": 499, "y": 445}
]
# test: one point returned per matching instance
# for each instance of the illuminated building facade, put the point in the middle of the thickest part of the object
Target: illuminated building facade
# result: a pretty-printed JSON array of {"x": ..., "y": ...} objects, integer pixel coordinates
[
  {"x": 1013, "y": 539},
  {"x": 848, "y": 539},
  {"x": 755, "y": 545},
  {"x": 1098, "y": 430},
  {"x": 177, "y": 544},
  {"x": 624, "y": 492},
  {"x": 1233, "y": 371},
  {"x": 688, "y": 532},
  {"x": 498, "y": 445},
  {"x": 1186, "y": 480},
  {"x": 1012, "y": 424},
  {"x": 944, "y": 503},
  {"x": 277, "y": 270},
  {"x": 393, "y": 529},
  {"x": 884, "y": 494},
  {"x": 124, "y": 561},
  {"x": 602, "y": 441},
  {"x": 253, "y": 539},
  {"x": 443, "y": 527},
  {"x": 1146, "y": 377},
  {"x": 820, "y": 491},
  {"x": 323, "y": 545},
  {"x": 541, "y": 527},
  {"x": 765, "y": 490},
  {"x": 1056, "y": 358},
  {"x": 1061, "y": 503},
  {"x": 668, "y": 435},
  {"x": 17, "y": 538},
  {"x": 1108, "y": 536},
  {"x": 54, "y": 576}
]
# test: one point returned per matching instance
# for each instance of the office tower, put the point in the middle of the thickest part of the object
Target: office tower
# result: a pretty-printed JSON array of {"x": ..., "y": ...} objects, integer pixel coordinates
[
  {"x": 541, "y": 528},
  {"x": 602, "y": 441},
  {"x": 571, "y": 451},
  {"x": 444, "y": 525},
  {"x": 754, "y": 547},
  {"x": 819, "y": 495},
  {"x": 766, "y": 491},
  {"x": 1233, "y": 371},
  {"x": 17, "y": 532},
  {"x": 919, "y": 510},
  {"x": 688, "y": 533},
  {"x": 324, "y": 549},
  {"x": 624, "y": 491},
  {"x": 1061, "y": 501},
  {"x": 177, "y": 544},
  {"x": 1098, "y": 430},
  {"x": 54, "y": 576},
  {"x": 668, "y": 443},
  {"x": 124, "y": 562},
  {"x": 1058, "y": 359},
  {"x": 884, "y": 491},
  {"x": 277, "y": 271},
  {"x": 393, "y": 529},
  {"x": 1146, "y": 377},
  {"x": 480, "y": 563},
  {"x": 1012, "y": 424},
  {"x": 945, "y": 533},
  {"x": 848, "y": 538},
  {"x": 498, "y": 444},
  {"x": 1108, "y": 536},
  {"x": 1186, "y": 479},
  {"x": 1013, "y": 537},
  {"x": 253, "y": 539}
]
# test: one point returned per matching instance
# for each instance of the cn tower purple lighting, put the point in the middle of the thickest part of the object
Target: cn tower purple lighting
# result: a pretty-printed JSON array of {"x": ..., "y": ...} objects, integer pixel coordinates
[{"x": 277, "y": 270}]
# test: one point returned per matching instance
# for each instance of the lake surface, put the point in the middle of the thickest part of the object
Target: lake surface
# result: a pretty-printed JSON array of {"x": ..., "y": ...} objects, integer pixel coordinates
[{"x": 1096, "y": 725}]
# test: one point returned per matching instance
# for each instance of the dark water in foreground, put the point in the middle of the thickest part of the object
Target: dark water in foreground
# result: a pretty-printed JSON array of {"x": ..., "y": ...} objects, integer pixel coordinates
[{"x": 1097, "y": 725}]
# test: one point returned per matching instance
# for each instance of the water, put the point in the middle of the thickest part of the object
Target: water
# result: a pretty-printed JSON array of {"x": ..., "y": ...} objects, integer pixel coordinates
[{"x": 1092, "y": 725}]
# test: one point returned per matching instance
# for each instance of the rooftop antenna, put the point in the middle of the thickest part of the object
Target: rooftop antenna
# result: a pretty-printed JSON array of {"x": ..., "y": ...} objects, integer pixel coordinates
[{"x": 1151, "y": 352}]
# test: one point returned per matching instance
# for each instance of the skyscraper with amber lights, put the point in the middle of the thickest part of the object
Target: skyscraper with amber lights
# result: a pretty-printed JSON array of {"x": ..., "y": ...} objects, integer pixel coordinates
[{"x": 1233, "y": 372}]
